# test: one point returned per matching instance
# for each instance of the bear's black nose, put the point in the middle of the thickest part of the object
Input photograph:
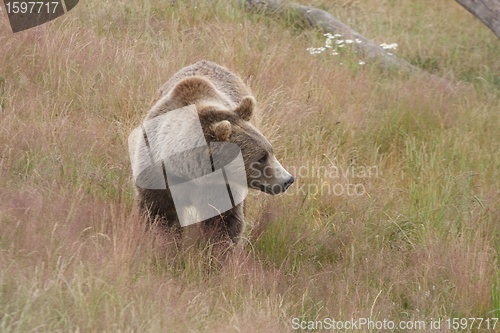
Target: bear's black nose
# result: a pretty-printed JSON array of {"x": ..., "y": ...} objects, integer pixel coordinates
[{"x": 289, "y": 182}]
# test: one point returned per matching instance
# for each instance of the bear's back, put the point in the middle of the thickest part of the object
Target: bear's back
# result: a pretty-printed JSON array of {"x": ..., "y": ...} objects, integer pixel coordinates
[{"x": 223, "y": 79}]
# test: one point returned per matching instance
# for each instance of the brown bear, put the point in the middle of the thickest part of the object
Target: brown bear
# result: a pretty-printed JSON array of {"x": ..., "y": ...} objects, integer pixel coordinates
[{"x": 224, "y": 106}]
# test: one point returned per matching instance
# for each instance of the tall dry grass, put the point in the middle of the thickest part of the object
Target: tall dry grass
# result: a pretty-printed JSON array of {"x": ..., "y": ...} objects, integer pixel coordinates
[{"x": 420, "y": 242}]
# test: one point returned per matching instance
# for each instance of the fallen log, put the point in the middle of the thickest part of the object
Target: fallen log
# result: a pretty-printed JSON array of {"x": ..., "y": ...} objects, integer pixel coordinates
[{"x": 326, "y": 22}]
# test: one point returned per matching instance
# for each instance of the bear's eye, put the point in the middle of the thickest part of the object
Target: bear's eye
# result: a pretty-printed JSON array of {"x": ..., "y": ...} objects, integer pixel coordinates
[{"x": 263, "y": 159}]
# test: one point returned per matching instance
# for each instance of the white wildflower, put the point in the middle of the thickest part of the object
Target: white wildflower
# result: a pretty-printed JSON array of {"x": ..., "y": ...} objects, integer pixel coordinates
[
  {"x": 358, "y": 41},
  {"x": 349, "y": 41},
  {"x": 392, "y": 46},
  {"x": 316, "y": 50},
  {"x": 361, "y": 62}
]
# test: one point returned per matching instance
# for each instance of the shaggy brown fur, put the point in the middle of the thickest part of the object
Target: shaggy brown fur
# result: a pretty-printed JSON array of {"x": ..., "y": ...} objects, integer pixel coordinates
[{"x": 225, "y": 107}]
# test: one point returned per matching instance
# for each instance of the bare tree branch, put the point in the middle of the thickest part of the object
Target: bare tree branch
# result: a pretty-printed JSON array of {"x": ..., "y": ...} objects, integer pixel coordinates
[{"x": 487, "y": 11}]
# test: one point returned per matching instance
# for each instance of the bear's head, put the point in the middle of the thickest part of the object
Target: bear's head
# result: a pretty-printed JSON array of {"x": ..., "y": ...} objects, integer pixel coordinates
[{"x": 222, "y": 121}]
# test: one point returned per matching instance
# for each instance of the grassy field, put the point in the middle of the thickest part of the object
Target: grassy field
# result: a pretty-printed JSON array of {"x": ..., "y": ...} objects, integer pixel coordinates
[{"x": 395, "y": 214}]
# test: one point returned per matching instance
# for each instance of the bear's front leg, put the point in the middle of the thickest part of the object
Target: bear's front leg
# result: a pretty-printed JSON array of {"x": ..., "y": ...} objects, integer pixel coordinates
[
  {"x": 158, "y": 209},
  {"x": 225, "y": 228}
]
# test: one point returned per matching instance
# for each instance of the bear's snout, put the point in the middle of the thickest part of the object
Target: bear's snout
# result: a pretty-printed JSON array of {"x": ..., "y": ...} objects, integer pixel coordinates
[
  {"x": 272, "y": 178},
  {"x": 288, "y": 182}
]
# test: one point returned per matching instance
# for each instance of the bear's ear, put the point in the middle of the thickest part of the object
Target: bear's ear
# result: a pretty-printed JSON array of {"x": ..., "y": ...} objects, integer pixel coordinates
[
  {"x": 221, "y": 130},
  {"x": 191, "y": 89},
  {"x": 245, "y": 109}
]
